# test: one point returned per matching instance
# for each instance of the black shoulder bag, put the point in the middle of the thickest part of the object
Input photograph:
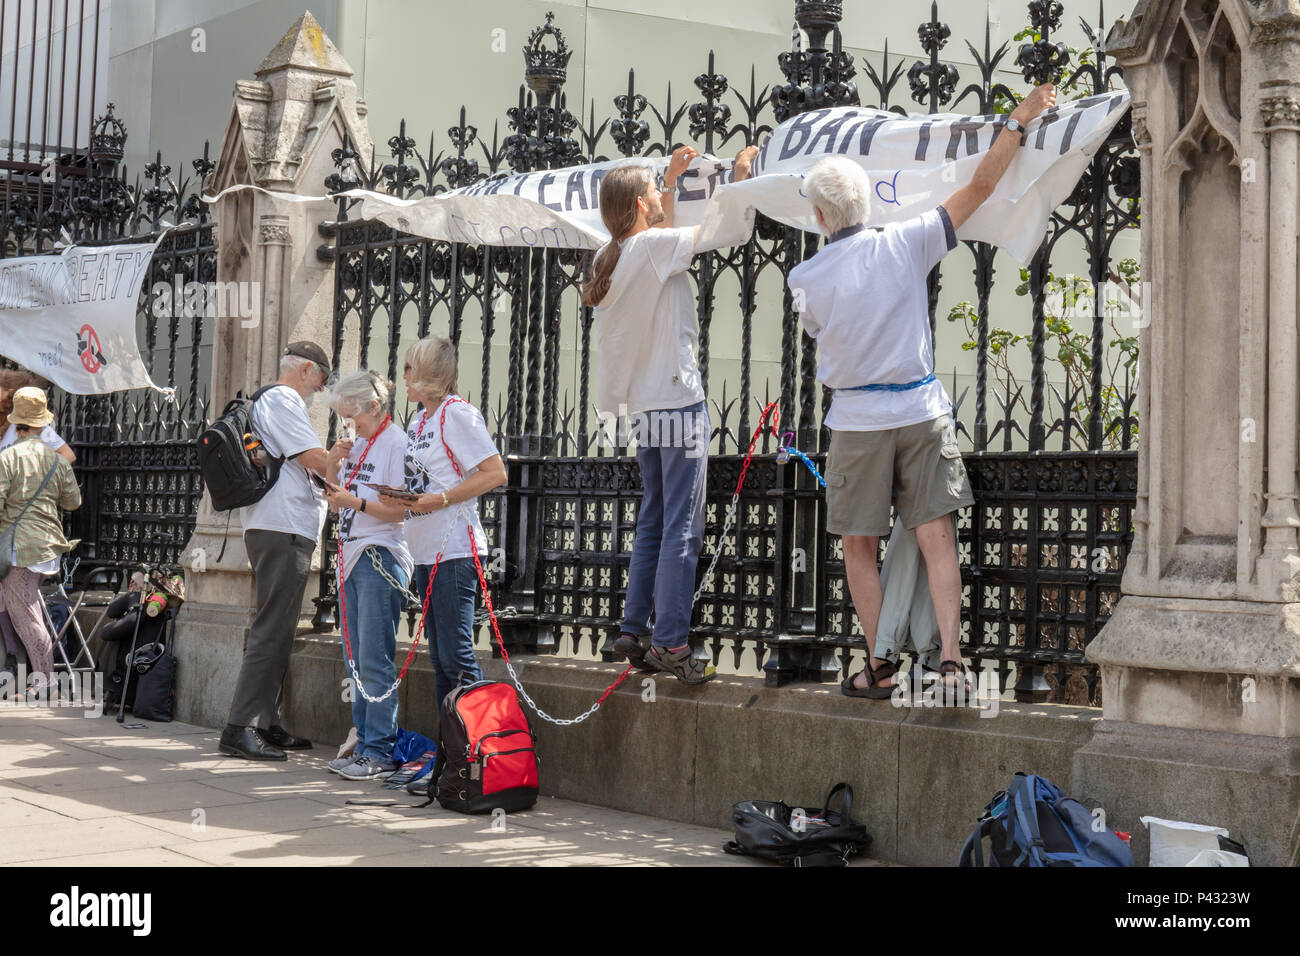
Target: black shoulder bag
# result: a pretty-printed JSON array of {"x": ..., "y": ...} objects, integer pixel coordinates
[{"x": 815, "y": 837}]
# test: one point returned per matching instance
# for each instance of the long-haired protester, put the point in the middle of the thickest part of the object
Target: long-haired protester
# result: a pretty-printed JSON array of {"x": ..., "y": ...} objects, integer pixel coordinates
[
  {"x": 450, "y": 461},
  {"x": 35, "y": 483},
  {"x": 376, "y": 565},
  {"x": 647, "y": 335}
]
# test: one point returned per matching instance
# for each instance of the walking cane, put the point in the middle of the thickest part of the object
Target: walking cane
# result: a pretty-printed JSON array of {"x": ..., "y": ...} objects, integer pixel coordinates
[{"x": 130, "y": 667}]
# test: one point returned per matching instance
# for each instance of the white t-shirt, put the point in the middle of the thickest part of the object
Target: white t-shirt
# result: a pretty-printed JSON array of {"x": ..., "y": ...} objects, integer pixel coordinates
[
  {"x": 647, "y": 333},
  {"x": 385, "y": 464},
  {"x": 867, "y": 305},
  {"x": 292, "y": 505},
  {"x": 467, "y": 435},
  {"x": 49, "y": 437}
]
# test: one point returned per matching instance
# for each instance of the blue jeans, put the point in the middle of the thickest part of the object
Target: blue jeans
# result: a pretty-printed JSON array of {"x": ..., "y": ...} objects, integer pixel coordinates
[
  {"x": 449, "y": 624},
  {"x": 669, "y": 527},
  {"x": 373, "y": 609}
]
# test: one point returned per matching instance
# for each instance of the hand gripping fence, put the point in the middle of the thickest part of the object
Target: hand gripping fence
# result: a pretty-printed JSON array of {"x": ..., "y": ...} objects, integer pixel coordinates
[{"x": 491, "y": 614}]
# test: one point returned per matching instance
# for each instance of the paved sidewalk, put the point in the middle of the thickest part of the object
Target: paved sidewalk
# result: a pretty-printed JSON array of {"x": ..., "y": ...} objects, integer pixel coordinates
[{"x": 82, "y": 791}]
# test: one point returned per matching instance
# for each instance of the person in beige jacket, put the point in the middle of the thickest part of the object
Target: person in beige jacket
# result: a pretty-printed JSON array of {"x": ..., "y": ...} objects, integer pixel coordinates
[{"x": 35, "y": 483}]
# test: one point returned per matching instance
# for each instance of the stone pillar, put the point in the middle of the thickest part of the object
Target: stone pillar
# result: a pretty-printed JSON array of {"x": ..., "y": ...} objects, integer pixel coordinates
[
  {"x": 282, "y": 130},
  {"x": 1200, "y": 664}
]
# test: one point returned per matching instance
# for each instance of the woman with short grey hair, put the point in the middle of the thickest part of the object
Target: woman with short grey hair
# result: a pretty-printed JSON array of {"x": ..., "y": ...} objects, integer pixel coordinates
[{"x": 374, "y": 566}]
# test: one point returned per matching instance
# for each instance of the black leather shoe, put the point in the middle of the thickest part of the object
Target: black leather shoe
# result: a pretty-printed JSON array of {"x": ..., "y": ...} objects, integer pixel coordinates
[
  {"x": 248, "y": 742},
  {"x": 277, "y": 736}
]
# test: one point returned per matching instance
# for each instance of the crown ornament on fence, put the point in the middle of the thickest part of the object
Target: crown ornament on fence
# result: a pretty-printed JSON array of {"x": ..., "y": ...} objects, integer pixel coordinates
[
  {"x": 541, "y": 120},
  {"x": 107, "y": 140},
  {"x": 546, "y": 70}
]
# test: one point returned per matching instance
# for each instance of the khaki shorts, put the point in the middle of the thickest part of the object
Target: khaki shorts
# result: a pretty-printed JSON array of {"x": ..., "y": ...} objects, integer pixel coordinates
[{"x": 918, "y": 468}]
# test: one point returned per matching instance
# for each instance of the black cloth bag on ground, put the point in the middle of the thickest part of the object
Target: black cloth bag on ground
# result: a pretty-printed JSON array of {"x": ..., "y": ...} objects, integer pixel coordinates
[
  {"x": 155, "y": 690},
  {"x": 155, "y": 675},
  {"x": 821, "y": 837}
]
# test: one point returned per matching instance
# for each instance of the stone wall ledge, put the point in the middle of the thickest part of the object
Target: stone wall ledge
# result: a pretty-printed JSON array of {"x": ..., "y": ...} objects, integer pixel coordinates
[{"x": 921, "y": 776}]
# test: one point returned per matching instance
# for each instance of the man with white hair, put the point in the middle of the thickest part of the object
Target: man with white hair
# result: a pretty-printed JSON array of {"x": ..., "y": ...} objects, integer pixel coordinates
[
  {"x": 893, "y": 440},
  {"x": 280, "y": 535}
]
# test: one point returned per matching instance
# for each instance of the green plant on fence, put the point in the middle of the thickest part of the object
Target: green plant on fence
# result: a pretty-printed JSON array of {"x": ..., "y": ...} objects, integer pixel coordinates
[{"x": 1068, "y": 352}]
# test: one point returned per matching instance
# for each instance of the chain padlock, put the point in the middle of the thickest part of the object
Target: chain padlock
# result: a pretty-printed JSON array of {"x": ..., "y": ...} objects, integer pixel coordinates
[{"x": 783, "y": 452}]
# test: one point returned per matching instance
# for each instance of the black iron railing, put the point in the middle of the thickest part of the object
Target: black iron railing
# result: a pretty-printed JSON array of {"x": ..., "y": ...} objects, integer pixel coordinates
[
  {"x": 136, "y": 459},
  {"x": 1044, "y": 546}
]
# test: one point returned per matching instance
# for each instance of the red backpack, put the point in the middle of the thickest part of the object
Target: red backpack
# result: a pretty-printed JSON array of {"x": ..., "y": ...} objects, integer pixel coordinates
[{"x": 486, "y": 756}]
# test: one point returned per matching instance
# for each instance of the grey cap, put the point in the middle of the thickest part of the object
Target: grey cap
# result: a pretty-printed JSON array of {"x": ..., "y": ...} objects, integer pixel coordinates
[{"x": 310, "y": 351}]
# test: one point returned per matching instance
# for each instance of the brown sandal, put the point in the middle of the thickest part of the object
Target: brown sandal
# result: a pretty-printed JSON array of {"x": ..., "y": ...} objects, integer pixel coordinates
[
  {"x": 952, "y": 675},
  {"x": 871, "y": 691}
]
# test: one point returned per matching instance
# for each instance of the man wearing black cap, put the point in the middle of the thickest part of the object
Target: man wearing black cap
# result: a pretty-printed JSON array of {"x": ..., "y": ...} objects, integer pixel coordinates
[{"x": 280, "y": 534}]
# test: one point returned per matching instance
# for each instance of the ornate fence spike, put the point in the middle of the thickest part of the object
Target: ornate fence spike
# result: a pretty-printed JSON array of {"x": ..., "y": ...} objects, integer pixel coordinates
[
  {"x": 933, "y": 83},
  {"x": 1043, "y": 61}
]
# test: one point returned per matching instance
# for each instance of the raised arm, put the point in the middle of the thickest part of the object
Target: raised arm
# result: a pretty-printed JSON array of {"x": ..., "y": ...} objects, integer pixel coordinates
[
  {"x": 962, "y": 204},
  {"x": 681, "y": 159}
]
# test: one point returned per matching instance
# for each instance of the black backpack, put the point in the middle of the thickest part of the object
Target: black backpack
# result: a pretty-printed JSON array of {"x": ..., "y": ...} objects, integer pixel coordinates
[
  {"x": 227, "y": 453},
  {"x": 486, "y": 757},
  {"x": 819, "y": 837}
]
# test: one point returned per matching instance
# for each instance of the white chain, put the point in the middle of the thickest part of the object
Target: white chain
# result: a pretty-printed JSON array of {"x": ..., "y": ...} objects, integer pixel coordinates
[
  {"x": 373, "y": 553},
  {"x": 707, "y": 582},
  {"x": 483, "y": 616}
]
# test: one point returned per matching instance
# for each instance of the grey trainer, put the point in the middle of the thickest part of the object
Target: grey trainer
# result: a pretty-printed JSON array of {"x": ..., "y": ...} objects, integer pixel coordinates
[
  {"x": 338, "y": 763},
  {"x": 368, "y": 768}
]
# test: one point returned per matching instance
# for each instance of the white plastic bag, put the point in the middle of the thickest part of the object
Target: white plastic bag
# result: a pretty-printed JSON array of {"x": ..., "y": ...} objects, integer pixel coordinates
[
  {"x": 1218, "y": 858},
  {"x": 1176, "y": 843},
  {"x": 349, "y": 745}
]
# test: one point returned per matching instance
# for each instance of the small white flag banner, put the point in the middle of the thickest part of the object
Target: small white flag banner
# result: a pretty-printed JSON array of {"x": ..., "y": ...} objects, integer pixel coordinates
[
  {"x": 915, "y": 162},
  {"x": 71, "y": 317}
]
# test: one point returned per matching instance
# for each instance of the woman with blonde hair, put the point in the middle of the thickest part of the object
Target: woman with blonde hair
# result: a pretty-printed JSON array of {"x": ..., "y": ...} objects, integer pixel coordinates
[
  {"x": 375, "y": 565},
  {"x": 450, "y": 461}
]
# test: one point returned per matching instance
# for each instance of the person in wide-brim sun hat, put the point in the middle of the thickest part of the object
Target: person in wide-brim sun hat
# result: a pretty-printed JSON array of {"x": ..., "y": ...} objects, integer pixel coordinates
[
  {"x": 30, "y": 408},
  {"x": 35, "y": 483}
]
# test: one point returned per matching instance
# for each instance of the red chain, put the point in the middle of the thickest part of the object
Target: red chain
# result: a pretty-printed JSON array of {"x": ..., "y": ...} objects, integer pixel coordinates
[
  {"x": 749, "y": 455},
  {"x": 428, "y": 590},
  {"x": 482, "y": 578},
  {"x": 473, "y": 544}
]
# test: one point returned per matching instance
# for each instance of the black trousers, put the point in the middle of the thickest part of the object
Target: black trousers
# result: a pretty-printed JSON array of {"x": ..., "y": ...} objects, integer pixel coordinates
[{"x": 281, "y": 565}]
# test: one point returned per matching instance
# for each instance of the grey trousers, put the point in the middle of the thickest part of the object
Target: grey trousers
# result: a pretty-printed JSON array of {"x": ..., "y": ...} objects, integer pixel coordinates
[
  {"x": 281, "y": 565},
  {"x": 907, "y": 612}
]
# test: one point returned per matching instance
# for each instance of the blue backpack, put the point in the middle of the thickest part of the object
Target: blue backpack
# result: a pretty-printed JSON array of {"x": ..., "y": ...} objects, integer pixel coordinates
[{"x": 1032, "y": 824}]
